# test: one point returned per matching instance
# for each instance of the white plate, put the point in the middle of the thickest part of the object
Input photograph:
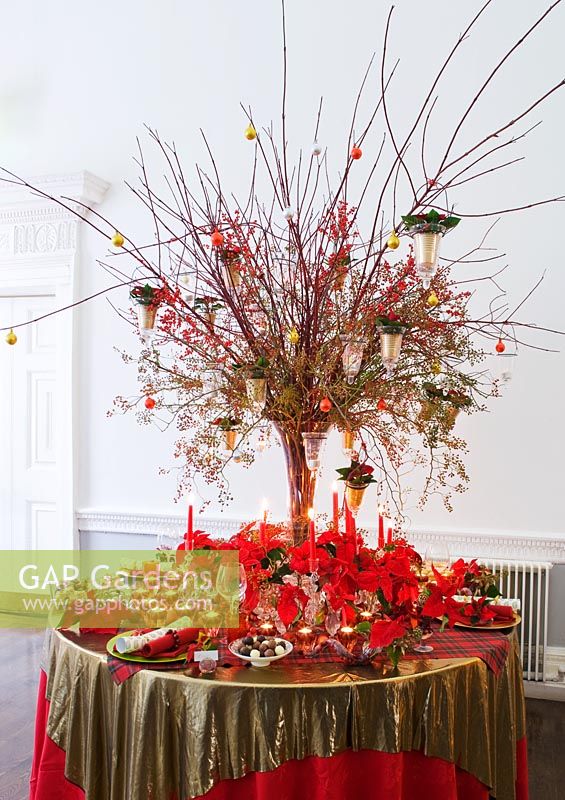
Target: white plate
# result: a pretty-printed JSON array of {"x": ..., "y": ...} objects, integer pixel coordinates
[{"x": 260, "y": 662}]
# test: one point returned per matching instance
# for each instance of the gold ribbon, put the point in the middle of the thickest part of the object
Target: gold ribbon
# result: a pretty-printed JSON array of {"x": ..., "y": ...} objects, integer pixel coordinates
[{"x": 164, "y": 732}]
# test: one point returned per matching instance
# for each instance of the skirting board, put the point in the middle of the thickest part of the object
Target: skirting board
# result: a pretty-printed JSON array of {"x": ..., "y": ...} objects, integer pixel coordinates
[{"x": 464, "y": 542}]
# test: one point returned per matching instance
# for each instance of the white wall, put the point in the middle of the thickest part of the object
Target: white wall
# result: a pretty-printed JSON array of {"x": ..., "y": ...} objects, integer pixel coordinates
[{"x": 77, "y": 81}]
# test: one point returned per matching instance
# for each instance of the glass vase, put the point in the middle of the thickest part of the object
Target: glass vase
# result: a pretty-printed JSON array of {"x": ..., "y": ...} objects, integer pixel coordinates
[{"x": 352, "y": 356}]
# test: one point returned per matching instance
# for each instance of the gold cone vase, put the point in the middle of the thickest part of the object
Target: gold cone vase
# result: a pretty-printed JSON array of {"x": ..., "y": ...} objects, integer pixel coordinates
[
  {"x": 339, "y": 280},
  {"x": 234, "y": 276},
  {"x": 354, "y": 496},
  {"x": 391, "y": 344},
  {"x": 426, "y": 249},
  {"x": 229, "y": 440},
  {"x": 427, "y": 411},
  {"x": 146, "y": 317},
  {"x": 451, "y": 414},
  {"x": 348, "y": 442},
  {"x": 256, "y": 389}
]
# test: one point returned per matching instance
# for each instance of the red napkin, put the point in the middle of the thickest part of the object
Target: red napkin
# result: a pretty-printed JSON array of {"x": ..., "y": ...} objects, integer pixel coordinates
[
  {"x": 502, "y": 612},
  {"x": 171, "y": 644}
]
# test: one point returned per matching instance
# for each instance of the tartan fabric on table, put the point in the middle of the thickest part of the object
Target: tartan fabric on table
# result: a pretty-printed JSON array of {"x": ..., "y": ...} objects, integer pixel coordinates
[{"x": 492, "y": 647}]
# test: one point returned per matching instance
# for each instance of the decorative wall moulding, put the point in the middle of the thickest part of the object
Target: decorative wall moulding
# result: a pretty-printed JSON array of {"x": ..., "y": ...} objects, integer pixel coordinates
[{"x": 462, "y": 542}]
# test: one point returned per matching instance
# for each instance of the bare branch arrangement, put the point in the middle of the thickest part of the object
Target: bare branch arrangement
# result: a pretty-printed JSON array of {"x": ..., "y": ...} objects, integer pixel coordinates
[{"x": 285, "y": 312}]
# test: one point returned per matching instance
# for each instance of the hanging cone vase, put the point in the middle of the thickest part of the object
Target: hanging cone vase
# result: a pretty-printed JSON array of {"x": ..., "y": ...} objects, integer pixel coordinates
[
  {"x": 146, "y": 317},
  {"x": 354, "y": 497}
]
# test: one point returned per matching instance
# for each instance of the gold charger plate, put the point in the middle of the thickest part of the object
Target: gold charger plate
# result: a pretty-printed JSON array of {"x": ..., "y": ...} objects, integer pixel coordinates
[
  {"x": 493, "y": 626},
  {"x": 137, "y": 659}
]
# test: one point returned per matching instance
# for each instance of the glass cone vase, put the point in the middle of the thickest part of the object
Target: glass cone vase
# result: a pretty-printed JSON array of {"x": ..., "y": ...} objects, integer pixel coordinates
[
  {"x": 313, "y": 446},
  {"x": 391, "y": 345},
  {"x": 352, "y": 356}
]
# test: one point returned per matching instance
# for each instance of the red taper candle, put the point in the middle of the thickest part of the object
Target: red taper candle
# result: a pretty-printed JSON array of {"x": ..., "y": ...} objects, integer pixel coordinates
[
  {"x": 335, "y": 507},
  {"x": 381, "y": 531},
  {"x": 312, "y": 534}
]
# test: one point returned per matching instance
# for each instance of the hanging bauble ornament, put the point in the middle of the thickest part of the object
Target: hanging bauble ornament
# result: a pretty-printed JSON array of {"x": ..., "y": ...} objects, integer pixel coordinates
[
  {"x": 393, "y": 241},
  {"x": 117, "y": 239},
  {"x": 11, "y": 337},
  {"x": 237, "y": 455},
  {"x": 316, "y": 149},
  {"x": 436, "y": 367},
  {"x": 250, "y": 133},
  {"x": 356, "y": 153},
  {"x": 288, "y": 213},
  {"x": 432, "y": 299},
  {"x": 293, "y": 336},
  {"x": 149, "y": 403},
  {"x": 500, "y": 346},
  {"x": 381, "y": 405},
  {"x": 217, "y": 239},
  {"x": 325, "y": 404}
]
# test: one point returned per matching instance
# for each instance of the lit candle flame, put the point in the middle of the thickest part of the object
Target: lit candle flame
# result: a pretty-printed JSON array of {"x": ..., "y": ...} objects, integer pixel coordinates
[
  {"x": 311, "y": 513},
  {"x": 334, "y": 486}
]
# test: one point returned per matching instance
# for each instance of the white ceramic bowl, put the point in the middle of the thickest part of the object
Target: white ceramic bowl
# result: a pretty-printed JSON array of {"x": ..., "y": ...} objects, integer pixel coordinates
[{"x": 265, "y": 661}]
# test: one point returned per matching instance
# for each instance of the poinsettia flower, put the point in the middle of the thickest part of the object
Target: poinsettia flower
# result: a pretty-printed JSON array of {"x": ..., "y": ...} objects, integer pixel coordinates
[
  {"x": 384, "y": 632},
  {"x": 434, "y": 605},
  {"x": 291, "y": 601}
]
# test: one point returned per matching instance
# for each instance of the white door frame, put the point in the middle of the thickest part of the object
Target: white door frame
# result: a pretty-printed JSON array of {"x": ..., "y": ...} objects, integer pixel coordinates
[{"x": 39, "y": 254}]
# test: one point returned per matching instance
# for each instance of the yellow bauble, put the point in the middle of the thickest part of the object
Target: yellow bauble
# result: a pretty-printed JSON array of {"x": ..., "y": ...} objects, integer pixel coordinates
[
  {"x": 393, "y": 241},
  {"x": 436, "y": 367},
  {"x": 11, "y": 337},
  {"x": 118, "y": 239},
  {"x": 294, "y": 336},
  {"x": 432, "y": 300},
  {"x": 250, "y": 133}
]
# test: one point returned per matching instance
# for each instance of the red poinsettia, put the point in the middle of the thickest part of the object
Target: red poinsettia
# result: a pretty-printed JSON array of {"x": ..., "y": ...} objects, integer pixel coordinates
[{"x": 385, "y": 632}]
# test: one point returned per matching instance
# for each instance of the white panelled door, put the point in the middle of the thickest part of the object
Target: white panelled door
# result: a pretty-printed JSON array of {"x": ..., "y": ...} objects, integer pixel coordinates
[{"x": 30, "y": 472}]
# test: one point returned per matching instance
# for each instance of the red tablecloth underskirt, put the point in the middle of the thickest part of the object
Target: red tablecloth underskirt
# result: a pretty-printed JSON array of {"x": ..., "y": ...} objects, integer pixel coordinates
[{"x": 350, "y": 775}]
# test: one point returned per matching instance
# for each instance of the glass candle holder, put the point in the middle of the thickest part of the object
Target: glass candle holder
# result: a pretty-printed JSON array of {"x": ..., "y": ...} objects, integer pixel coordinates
[
  {"x": 347, "y": 637},
  {"x": 306, "y": 639}
]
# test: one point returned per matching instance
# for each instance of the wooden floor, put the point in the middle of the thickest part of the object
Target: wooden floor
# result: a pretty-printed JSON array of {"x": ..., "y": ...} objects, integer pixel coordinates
[{"x": 19, "y": 668}]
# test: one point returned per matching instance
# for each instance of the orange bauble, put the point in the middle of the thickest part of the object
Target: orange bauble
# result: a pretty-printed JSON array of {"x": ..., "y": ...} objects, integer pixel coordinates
[
  {"x": 381, "y": 405},
  {"x": 149, "y": 403},
  {"x": 217, "y": 239},
  {"x": 356, "y": 153},
  {"x": 325, "y": 404},
  {"x": 500, "y": 346}
]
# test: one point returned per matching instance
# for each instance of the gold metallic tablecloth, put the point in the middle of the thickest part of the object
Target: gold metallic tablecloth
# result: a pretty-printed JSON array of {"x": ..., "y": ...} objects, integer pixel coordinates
[{"x": 164, "y": 732}]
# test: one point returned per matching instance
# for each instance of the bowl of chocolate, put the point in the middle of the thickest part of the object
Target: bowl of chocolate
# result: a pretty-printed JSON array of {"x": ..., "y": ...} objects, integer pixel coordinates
[{"x": 259, "y": 650}]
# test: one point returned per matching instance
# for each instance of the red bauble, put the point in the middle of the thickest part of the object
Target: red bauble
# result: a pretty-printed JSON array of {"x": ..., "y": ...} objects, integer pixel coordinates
[
  {"x": 356, "y": 153},
  {"x": 381, "y": 405},
  {"x": 500, "y": 346},
  {"x": 325, "y": 404},
  {"x": 217, "y": 239},
  {"x": 149, "y": 403}
]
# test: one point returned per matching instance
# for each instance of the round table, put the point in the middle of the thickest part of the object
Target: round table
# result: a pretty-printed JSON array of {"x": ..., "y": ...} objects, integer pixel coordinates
[{"x": 443, "y": 728}]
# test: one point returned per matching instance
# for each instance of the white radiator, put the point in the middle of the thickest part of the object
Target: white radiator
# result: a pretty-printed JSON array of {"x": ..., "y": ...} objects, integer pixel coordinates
[{"x": 528, "y": 580}]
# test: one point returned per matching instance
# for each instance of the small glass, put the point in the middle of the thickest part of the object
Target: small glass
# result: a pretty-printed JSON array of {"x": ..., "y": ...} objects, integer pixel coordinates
[{"x": 426, "y": 625}]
